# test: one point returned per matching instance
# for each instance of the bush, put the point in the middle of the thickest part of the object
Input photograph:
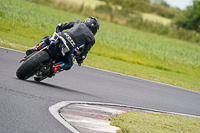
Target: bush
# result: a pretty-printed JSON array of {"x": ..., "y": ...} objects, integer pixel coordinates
[{"x": 189, "y": 18}]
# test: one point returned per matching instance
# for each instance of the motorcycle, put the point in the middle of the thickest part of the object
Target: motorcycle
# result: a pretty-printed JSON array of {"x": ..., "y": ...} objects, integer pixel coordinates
[{"x": 39, "y": 64}]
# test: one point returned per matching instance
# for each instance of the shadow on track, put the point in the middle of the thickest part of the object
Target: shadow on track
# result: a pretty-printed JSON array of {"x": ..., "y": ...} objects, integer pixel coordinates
[{"x": 59, "y": 87}]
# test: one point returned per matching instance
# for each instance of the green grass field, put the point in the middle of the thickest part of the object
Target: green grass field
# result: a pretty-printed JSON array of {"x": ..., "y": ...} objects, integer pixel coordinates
[
  {"x": 128, "y": 51},
  {"x": 118, "y": 48},
  {"x": 137, "y": 122}
]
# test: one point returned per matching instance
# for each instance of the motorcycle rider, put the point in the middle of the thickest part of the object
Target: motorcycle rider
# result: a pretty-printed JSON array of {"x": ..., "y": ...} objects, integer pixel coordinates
[{"x": 79, "y": 34}]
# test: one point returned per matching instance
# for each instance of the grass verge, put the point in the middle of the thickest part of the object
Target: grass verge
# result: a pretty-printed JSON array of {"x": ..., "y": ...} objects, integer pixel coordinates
[
  {"x": 137, "y": 122},
  {"x": 142, "y": 71}
]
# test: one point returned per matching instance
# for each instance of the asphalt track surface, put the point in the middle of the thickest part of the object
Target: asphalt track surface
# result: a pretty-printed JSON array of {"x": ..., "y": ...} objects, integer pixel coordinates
[{"x": 24, "y": 104}]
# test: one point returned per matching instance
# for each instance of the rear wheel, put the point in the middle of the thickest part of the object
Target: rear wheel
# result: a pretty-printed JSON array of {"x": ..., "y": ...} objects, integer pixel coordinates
[{"x": 27, "y": 69}]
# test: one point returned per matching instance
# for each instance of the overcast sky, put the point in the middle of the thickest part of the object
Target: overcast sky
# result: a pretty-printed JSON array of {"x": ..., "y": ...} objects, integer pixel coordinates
[{"x": 182, "y": 4}]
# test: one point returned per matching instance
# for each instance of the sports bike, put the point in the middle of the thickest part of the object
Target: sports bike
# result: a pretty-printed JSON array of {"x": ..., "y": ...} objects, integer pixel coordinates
[{"x": 39, "y": 64}]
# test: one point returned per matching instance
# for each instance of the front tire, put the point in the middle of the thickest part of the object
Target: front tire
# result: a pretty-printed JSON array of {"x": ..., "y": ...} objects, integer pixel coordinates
[{"x": 27, "y": 69}]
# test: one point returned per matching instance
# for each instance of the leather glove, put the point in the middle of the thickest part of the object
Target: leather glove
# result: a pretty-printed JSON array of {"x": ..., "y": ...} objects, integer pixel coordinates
[{"x": 58, "y": 28}]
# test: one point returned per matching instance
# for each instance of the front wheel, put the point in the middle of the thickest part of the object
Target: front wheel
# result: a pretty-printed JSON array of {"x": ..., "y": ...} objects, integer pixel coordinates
[{"x": 27, "y": 69}]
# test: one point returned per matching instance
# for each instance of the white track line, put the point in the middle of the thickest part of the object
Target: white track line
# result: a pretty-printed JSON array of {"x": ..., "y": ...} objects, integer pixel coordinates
[{"x": 90, "y": 123}]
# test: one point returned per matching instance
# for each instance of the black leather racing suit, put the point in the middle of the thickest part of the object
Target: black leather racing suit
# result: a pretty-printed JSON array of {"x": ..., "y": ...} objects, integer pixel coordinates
[{"x": 80, "y": 35}]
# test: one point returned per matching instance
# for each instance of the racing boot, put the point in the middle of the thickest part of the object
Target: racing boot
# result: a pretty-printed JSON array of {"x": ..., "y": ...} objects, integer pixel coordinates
[
  {"x": 45, "y": 41},
  {"x": 57, "y": 67}
]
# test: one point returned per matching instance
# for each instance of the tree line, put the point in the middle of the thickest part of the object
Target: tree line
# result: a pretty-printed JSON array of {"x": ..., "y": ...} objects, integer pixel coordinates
[{"x": 188, "y": 19}]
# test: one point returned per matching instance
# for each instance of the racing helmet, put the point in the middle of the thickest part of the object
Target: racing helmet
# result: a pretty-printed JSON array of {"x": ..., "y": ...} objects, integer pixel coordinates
[{"x": 93, "y": 24}]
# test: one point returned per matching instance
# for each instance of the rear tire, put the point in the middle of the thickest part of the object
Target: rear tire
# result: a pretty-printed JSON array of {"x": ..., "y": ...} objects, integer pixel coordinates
[{"x": 27, "y": 69}]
